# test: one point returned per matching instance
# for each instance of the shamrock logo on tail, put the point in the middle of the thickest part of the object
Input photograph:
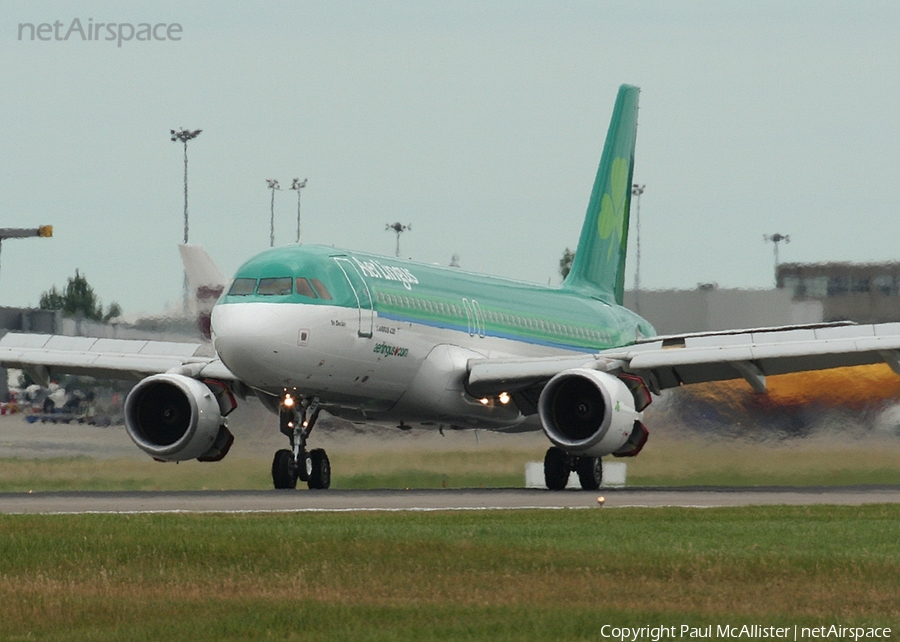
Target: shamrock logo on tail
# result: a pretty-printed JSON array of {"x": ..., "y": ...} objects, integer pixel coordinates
[{"x": 612, "y": 208}]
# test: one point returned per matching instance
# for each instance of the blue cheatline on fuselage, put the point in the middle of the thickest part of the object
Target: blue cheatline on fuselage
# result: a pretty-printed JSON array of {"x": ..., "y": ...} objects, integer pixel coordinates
[{"x": 435, "y": 296}]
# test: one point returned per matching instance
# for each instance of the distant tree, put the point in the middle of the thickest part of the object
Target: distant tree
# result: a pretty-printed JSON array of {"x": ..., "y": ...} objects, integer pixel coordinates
[
  {"x": 78, "y": 297},
  {"x": 114, "y": 310},
  {"x": 565, "y": 263}
]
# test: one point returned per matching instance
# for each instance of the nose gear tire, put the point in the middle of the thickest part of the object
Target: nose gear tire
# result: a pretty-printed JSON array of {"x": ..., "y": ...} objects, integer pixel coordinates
[
  {"x": 284, "y": 470},
  {"x": 321, "y": 470}
]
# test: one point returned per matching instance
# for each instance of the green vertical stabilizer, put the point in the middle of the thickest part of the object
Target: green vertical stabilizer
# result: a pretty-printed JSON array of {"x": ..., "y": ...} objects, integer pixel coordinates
[{"x": 599, "y": 266}]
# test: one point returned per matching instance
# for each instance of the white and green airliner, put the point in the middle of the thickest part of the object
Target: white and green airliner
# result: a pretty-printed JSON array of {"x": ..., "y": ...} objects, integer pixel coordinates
[{"x": 307, "y": 328}]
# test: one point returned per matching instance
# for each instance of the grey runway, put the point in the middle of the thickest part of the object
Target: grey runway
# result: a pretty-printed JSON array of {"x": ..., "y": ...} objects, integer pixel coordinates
[{"x": 432, "y": 500}]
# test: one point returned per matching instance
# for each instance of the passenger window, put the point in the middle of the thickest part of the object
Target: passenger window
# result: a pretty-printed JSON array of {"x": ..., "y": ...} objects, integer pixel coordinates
[
  {"x": 321, "y": 289},
  {"x": 242, "y": 287},
  {"x": 304, "y": 288},
  {"x": 275, "y": 286}
]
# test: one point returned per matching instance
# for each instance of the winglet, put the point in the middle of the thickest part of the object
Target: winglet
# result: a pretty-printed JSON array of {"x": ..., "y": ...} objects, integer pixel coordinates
[{"x": 599, "y": 265}]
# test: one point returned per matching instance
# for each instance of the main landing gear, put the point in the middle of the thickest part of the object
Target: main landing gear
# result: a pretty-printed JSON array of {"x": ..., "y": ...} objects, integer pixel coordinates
[
  {"x": 296, "y": 419},
  {"x": 558, "y": 464}
]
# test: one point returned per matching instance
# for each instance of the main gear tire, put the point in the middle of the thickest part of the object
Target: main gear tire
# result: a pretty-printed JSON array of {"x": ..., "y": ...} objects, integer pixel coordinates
[
  {"x": 320, "y": 477},
  {"x": 590, "y": 472},
  {"x": 284, "y": 470},
  {"x": 556, "y": 468}
]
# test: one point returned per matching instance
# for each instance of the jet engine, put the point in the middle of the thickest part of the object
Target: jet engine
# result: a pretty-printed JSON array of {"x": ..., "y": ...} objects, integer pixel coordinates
[
  {"x": 590, "y": 413},
  {"x": 174, "y": 418}
]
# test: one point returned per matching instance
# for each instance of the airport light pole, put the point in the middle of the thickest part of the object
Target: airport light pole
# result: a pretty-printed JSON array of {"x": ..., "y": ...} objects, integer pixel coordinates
[
  {"x": 298, "y": 185},
  {"x": 183, "y": 136},
  {"x": 637, "y": 190},
  {"x": 273, "y": 185},
  {"x": 775, "y": 239},
  {"x": 399, "y": 229}
]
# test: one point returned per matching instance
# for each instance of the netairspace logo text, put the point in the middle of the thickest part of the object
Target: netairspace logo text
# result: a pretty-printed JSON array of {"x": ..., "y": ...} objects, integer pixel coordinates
[
  {"x": 744, "y": 632},
  {"x": 117, "y": 32}
]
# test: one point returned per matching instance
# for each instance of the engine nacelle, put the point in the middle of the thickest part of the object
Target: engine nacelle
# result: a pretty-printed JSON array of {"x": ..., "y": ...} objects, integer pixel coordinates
[
  {"x": 587, "y": 412},
  {"x": 174, "y": 418}
]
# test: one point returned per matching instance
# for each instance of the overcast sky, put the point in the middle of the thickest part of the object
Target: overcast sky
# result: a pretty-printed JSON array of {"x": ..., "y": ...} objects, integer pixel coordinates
[{"x": 480, "y": 123}]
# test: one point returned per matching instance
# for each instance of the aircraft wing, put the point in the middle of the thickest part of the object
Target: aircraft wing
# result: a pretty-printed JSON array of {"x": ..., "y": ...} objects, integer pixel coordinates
[
  {"x": 672, "y": 361},
  {"x": 44, "y": 355}
]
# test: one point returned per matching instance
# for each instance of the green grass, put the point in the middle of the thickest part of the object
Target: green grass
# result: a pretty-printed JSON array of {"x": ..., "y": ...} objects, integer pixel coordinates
[
  {"x": 809, "y": 462},
  {"x": 418, "y": 470},
  {"x": 663, "y": 463},
  {"x": 497, "y": 575}
]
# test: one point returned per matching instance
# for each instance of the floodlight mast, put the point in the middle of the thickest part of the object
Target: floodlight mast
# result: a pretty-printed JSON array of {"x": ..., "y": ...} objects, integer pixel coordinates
[
  {"x": 399, "y": 228},
  {"x": 184, "y": 135},
  {"x": 298, "y": 185},
  {"x": 637, "y": 190},
  {"x": 775, "y": 239},
  {"x": 272, "y": 185}
]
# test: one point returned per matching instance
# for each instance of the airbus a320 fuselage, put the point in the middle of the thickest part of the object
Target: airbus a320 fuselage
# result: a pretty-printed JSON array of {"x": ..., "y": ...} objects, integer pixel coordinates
[{"x": 386, "y": 339}]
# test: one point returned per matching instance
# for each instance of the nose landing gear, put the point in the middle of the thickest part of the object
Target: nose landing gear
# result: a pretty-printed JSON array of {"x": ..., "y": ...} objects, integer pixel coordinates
[{"x": 296, "y": 421}]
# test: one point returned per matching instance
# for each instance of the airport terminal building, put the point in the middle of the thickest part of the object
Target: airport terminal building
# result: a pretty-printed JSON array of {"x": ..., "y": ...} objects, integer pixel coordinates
[
  {"x": 861, "y": 292},
  {"x": 806, "y": 293}
]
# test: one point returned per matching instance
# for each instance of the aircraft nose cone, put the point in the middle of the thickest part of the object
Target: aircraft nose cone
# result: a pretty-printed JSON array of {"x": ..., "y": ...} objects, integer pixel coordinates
[
  {"x": 239, "y": 320},
  {"x": 245, "y": 334}
]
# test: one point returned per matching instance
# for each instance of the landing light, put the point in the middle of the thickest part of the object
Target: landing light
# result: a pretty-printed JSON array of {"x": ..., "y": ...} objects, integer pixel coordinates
[
  {"x": 504, "y": 398},
  {"x": 288, "y": 401},
  {"x": 485, "y": 401}
]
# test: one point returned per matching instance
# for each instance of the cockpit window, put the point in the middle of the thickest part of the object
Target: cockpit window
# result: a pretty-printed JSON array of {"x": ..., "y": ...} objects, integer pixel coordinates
[
  {"x": 321, "y": 289},
  {"x": 275, "y": 286},
  {"x": 242, "y": 287},
  {"x": 304, "y": 288}
]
